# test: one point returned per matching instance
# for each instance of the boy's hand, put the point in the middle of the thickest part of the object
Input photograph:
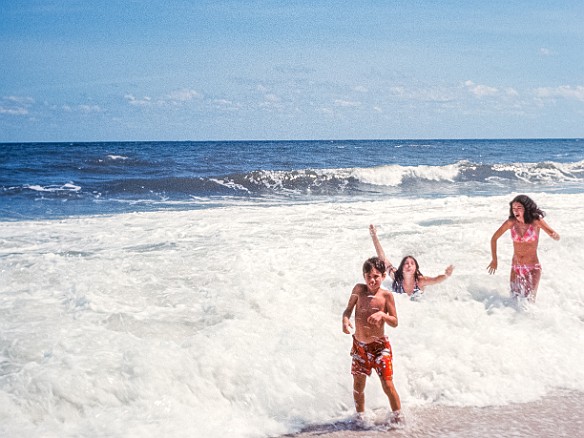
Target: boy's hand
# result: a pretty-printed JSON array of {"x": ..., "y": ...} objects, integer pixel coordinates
[
  {"x": 372, "y": 230},
  {"x": 378, "y": 318},
  {"x": 347, "y": 325}
]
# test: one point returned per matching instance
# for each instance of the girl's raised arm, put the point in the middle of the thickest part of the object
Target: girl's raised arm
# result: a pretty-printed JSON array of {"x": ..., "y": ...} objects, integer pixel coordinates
[{"x": 379, "y": 249}]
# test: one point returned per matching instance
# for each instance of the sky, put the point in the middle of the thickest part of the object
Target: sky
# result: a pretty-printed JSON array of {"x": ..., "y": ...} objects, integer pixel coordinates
[{"x": 76, "y": 70}]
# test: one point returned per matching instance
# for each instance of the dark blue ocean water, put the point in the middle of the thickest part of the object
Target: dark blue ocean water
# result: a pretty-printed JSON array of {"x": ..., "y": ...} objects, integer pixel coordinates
[{"x": 55, "y": 180}]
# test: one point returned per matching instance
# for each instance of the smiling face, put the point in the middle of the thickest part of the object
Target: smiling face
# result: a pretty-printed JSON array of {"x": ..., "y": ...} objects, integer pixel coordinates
[{"x": 518, "y": 211}]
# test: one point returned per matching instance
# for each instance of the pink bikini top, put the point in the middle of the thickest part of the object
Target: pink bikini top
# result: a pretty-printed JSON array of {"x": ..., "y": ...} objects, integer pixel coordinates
[{"x": 530, "y": 235}]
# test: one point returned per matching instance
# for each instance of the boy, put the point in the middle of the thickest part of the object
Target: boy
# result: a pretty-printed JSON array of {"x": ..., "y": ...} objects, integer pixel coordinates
[{"x": 374, "y": 306}]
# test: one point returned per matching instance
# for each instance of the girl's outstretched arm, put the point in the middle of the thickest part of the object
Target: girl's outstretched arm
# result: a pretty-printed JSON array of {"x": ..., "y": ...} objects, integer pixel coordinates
[
  {"x": 428, "y": 281},
  {"x": 379, "y": 249},
  {"x": 544, "y": 226}
]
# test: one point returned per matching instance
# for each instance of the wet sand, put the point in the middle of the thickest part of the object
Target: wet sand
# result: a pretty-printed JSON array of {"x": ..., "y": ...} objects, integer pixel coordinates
[{"x": 554, "y": 416}]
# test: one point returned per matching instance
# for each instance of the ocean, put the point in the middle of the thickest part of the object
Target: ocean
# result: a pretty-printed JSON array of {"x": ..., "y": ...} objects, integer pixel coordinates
[{"x": 195, "y": 289}]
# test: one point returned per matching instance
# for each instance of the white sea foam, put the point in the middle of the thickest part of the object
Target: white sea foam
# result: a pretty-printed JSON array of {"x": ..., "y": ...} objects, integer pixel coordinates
[
  {"x": 543, "y": 172},
  {"x": 391, "y": 176},
  {"x": 229, "y": 184},
  {"x": 394, "y": 175},
  {"x": 226, "y": 321},
  {"x": 68, "y": 187}
]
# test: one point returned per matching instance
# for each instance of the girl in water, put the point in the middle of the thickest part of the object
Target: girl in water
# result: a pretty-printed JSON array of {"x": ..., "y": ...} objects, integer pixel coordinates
[
  {"x": 525, "y": 220},
  {"x": 407, "y": 278}
]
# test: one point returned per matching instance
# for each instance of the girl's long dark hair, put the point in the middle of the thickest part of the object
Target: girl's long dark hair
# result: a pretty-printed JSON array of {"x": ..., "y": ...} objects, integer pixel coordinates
[
  {"x": 398, "y": 275},
  {"x": 532, "y": 212}
]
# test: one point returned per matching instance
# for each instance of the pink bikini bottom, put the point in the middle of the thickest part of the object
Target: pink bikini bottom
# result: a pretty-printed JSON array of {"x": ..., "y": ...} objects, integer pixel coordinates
[{"x": 523, "y": 270}]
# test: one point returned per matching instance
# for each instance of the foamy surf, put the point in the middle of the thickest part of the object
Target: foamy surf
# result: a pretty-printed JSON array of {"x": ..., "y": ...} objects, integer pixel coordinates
[
  {"x": 553, "y": 416},
  {"x": 226, "y": 321}
]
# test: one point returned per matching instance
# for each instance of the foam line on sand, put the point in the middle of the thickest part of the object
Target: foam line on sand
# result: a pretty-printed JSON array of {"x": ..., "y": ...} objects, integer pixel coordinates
[{"x": 557, "y": 416}]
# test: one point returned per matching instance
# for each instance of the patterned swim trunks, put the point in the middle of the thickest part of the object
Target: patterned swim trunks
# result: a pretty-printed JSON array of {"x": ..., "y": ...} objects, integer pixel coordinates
[{"x": 374, "y": 355}]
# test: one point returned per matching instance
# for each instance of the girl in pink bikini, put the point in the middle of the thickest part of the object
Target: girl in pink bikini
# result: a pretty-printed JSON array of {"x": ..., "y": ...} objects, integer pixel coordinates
[{"x": 525, "y": 221}]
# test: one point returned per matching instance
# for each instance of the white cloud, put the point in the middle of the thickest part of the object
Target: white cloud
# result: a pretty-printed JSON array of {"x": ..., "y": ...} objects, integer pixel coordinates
[
  {"x": 85, "y": 109},
  {"x": 272, "y": 98},
  {"x": 480, "y": 90},
  {"x": 400, "y": 91},
  {"x": 347, "y": 103},
  {"x": 184, "y": 95},
  {"x": 361, "y": 89},
  {"x": 545, "y": 52},
  {"x": 16, "y": 105},
  {"x": 19, "y": 111},
  {"x": 89, "y": 109},
  {"x": 175, "y": 97},
  {"x": 326, "y": 111},
  {"x": 22, "y": 100},
  {"x": 145, "y": 101},
  {"x": 434, "y": 94},
  {"x": 225, "y": 104},
  {"x": 563, "y": 91}
]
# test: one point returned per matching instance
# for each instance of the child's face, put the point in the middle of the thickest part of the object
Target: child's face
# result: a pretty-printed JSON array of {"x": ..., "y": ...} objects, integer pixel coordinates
[
  {"x": 518, "y": 211},
  {"x": 373, "y": 279},
  {"x": 410, "y": 266}
]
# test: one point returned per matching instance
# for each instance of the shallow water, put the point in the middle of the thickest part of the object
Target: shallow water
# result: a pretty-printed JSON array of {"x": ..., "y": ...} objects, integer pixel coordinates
[
  {"x": 227, "y": 321},
  {"x": 557, "y": 416}
]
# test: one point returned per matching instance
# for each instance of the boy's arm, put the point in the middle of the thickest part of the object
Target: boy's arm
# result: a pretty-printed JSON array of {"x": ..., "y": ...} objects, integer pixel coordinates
[{"x": 349, "y": 310}]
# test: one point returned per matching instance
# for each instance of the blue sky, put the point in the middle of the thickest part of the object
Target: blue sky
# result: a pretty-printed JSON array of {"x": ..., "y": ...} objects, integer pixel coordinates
[{"x": 231, "y": 70}]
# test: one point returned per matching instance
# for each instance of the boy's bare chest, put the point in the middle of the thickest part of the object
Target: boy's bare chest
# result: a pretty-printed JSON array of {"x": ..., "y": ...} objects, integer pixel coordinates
[{"x": 369, "y": 304}]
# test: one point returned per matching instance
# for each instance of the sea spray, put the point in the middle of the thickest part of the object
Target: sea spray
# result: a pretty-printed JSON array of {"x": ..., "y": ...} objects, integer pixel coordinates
[{"x": 227, "y": 320}]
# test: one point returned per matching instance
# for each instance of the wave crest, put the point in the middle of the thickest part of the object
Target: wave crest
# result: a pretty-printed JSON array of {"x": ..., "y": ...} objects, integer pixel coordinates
[
  {"x": 404, "y": 177},
  {"x": 463, "y": 177}
]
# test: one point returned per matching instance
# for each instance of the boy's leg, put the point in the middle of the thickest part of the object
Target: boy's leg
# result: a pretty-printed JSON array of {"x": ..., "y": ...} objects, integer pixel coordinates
[
  {"x": 391, "y": 393},
  {"x": 359, "y": 381}
]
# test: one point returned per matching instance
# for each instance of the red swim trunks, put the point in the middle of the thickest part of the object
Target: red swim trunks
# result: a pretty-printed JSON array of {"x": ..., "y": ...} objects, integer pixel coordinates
[{"x": 374, "y": 355}]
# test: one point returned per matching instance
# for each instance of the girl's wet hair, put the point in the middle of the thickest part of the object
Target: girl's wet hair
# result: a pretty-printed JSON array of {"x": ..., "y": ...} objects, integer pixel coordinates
[
  {"x": 532, "y": 212},
  {"x": 398, "y": 275},
  {"x": 374, "y": 262}
]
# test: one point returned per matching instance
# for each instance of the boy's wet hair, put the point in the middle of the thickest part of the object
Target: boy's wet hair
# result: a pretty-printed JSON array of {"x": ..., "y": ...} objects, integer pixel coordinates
[{"x": 374, "y": 262}]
